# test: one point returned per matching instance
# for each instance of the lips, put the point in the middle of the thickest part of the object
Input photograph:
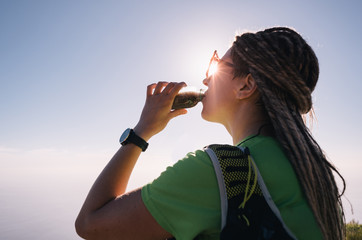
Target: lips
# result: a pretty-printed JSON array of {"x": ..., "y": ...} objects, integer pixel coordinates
[
  {"x": 205, "y": 95},
  {"x": 203, "y": 99}
]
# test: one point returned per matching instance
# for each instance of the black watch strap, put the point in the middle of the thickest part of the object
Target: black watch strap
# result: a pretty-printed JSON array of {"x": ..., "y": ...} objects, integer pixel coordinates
[{"x": 129, "y": 136}]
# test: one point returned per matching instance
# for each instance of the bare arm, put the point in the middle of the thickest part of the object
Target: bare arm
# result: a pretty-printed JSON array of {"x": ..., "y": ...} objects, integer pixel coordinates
[{"x": 109, "y": 213}]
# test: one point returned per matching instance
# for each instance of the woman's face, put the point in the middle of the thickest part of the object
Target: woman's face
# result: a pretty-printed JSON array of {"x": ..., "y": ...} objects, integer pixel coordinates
[{"x": 220, "y": 98}]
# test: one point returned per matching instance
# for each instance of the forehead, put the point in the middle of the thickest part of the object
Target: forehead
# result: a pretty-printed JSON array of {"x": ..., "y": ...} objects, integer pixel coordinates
[
  {"x": 227, "y": 56},
  {"x": 226, "y": 60}
]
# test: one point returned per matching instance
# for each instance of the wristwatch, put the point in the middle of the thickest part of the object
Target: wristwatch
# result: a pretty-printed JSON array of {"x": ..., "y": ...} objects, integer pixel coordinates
[{"x": 129, "y": 136}]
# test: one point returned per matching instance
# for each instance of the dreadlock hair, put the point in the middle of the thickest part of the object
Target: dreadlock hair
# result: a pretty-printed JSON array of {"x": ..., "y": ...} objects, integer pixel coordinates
[{"x": 285, "y": 69}]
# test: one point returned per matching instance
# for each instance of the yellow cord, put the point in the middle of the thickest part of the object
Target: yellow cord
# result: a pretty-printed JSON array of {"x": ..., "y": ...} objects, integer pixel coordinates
[
  {"x": 255, "y": 179},
  {"x": 246, "y": 196},
  {"x": 247, "y": 186},
  {"x": 247, "y": 220}
]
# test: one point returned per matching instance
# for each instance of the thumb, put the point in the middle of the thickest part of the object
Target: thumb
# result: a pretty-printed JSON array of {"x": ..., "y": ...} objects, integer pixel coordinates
[{"x": 178, "y": 112}]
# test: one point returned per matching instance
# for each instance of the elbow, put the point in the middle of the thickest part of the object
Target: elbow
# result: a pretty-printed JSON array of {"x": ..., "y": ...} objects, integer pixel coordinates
[{"x": 81, "y": 227}]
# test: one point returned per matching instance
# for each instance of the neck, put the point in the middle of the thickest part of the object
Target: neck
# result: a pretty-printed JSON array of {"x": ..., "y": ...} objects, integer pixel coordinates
[{"x": 248, "y": 121}]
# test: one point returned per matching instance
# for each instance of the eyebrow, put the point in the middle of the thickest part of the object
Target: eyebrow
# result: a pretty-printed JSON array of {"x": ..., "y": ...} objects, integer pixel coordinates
[{"x": 222, "y": 62}]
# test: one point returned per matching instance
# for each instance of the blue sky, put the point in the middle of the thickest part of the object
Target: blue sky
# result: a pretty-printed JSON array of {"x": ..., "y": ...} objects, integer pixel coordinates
[{"x": 73, "y": 76}]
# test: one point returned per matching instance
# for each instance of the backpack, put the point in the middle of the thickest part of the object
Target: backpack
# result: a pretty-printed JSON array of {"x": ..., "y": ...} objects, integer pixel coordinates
[{"x": 247, "y": 209}]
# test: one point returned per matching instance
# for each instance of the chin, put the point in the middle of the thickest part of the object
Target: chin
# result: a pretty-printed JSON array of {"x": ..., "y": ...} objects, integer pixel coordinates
[
  {"x": 212, "y": 116},
  {"x": 203, "y": 115},
  {"x": 209, "y": 112},
  {"x": 206, "y": 116}
]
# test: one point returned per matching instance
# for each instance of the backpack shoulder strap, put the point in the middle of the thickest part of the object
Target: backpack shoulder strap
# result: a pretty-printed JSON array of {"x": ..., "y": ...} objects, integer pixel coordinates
[
  {"x": 247, "y": 208},
  {"x": 220, "y": 180}
]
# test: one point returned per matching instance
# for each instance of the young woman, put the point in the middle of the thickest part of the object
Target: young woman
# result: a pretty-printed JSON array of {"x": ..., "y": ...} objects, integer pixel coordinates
[{"x": 260, "y": 92}]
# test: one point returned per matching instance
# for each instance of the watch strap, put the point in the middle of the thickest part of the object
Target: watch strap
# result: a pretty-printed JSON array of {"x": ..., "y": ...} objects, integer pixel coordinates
[{"x": 135, "y": 139}]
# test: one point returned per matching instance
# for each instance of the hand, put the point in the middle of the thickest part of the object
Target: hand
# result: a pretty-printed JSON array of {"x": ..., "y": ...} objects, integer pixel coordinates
[{"x": 157, "y": 110}]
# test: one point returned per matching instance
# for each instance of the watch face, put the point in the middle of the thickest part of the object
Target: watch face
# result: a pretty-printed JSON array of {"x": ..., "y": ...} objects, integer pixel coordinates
[{"x": 125, "y": 135}]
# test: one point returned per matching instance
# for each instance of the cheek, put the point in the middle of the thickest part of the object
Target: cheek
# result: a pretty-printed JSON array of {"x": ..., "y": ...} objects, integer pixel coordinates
[{"x": 218, "y": 98}]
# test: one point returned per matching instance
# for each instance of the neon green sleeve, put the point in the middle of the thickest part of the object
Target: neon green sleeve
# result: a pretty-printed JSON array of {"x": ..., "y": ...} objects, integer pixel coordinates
[{"x": 185, "y": 199}]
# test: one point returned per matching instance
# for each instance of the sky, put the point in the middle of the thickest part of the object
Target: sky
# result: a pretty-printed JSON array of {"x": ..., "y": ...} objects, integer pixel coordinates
[{"x": 73, "y": 77}]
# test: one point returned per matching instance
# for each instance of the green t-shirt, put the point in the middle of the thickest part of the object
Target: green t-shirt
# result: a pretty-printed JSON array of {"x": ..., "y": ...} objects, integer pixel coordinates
[{"x": 185, "y": 198}]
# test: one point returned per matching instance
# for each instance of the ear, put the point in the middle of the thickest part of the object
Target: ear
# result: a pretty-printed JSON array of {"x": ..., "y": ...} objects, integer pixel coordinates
[{"x": 247, "y": 87}]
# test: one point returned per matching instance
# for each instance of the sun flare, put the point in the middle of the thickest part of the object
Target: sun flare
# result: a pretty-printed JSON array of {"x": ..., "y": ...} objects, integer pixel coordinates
[{"x": 213, "y": 68}]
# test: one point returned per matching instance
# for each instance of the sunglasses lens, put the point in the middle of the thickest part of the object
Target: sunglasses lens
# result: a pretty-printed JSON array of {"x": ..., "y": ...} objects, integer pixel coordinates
[{"x": 212, "y": 65}]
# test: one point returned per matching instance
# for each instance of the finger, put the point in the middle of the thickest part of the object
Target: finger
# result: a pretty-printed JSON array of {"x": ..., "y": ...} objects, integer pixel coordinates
[
  {"x": 150, "y": 89},
  {"x": 177, "y": 88},
  {"x": 169, "y": 87},
  {"x": 159, "y": 87},
  {"x": 178, "y": 112}
]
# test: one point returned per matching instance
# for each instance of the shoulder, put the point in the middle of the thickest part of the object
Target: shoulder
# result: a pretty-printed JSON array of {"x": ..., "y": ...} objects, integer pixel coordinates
[
  {"x": 198, "y": 157},
  {"x": 268, "y": 154},
  {"x": 195, "y": 166},
  {"x": 275, "y": 168},
  {"x": 185, "y": 197}
]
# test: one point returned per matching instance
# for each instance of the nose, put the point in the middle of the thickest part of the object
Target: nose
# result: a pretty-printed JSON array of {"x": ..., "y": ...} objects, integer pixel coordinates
[{"x": 205, "y": 81}]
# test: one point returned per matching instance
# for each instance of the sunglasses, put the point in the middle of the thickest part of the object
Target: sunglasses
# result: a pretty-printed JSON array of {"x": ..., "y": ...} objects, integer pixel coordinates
[{"x": 214, "y": 61}]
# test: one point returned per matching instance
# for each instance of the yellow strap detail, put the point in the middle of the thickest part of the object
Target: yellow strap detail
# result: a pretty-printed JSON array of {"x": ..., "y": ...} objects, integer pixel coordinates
[{"x": 246, "y": 196}]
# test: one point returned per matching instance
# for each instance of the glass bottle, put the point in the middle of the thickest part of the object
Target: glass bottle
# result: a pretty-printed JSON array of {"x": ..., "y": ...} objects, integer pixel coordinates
[{"x": 188, "y": 98}]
